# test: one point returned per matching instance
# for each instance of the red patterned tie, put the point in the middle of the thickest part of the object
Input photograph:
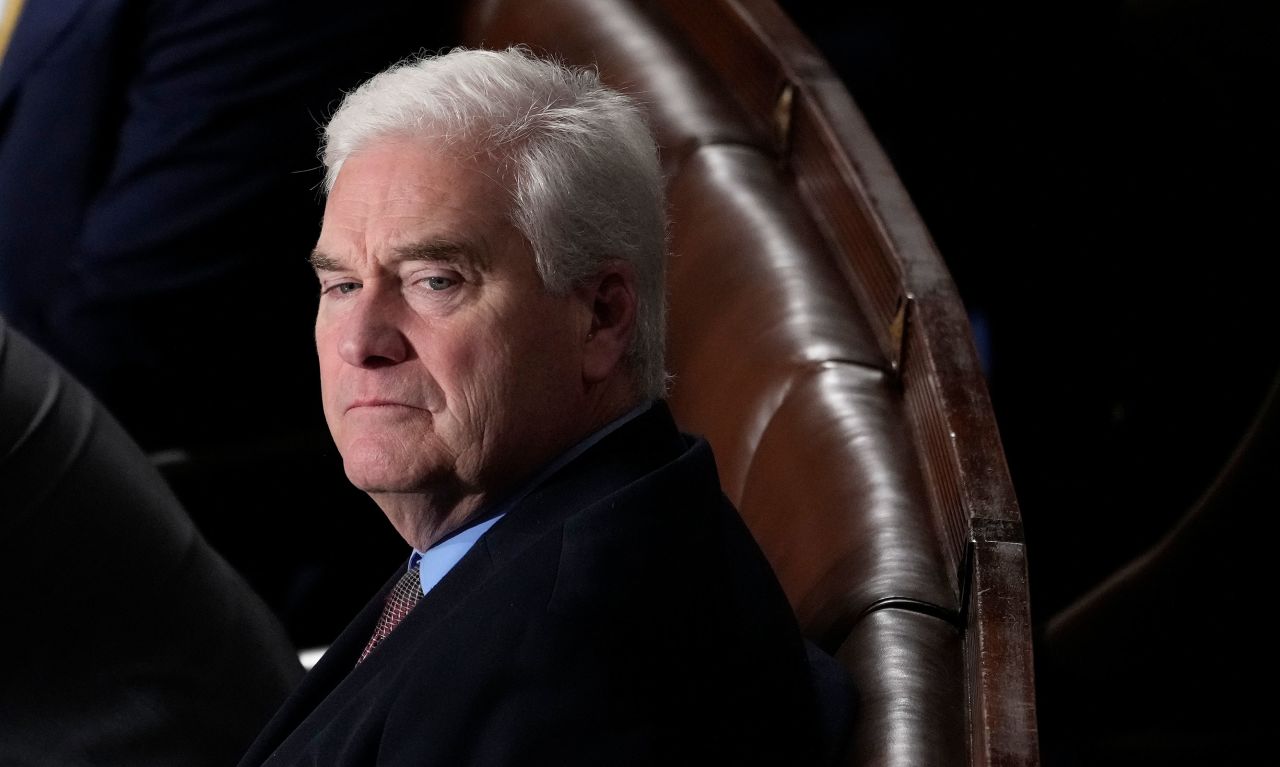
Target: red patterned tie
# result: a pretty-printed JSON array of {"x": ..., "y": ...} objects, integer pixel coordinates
[{"x": 407, "y": 592}]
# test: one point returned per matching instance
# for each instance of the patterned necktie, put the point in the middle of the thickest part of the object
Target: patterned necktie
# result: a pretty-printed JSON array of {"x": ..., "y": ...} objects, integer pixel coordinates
[{"x": 407, "y": 592}]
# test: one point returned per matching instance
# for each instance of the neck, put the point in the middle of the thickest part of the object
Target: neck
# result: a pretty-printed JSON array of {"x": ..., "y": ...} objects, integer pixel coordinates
[{"x": 424, "y": 518}]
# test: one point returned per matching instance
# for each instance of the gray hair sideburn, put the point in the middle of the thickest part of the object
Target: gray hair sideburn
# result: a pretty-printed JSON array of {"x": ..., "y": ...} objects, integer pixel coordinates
[{"x": 581, "y": 162}]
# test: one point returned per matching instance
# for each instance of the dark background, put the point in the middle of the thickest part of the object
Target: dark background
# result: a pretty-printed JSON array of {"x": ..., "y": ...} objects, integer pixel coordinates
[{"x": 1100, "y": 179}]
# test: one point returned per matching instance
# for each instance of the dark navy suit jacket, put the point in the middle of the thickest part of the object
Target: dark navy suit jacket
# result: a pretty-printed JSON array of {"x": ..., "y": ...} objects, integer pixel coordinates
[
  {"x": 620, "y": 614},
  {"x": 158, "y": 195}
]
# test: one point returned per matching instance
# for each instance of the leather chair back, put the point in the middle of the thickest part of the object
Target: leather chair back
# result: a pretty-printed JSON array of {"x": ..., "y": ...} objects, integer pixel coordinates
[{"x": 817, "y": 340}]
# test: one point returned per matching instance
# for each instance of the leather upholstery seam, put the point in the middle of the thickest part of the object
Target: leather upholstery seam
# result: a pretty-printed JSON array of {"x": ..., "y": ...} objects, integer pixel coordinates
[{"x": 953, "y": 617}]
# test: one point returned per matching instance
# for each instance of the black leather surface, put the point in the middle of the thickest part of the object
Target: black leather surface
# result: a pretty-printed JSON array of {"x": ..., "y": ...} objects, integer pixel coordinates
[{"x": 127, "y": 640}]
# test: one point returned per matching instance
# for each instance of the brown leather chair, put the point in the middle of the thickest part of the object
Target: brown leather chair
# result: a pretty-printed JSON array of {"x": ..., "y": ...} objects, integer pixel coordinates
[{"x": 818, "y": 342}]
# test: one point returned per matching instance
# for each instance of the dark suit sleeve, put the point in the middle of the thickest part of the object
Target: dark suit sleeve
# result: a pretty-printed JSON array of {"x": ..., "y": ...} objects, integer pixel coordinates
[
  {"x": 220, "y": 112},
  {"x": 195, "y": 200}
]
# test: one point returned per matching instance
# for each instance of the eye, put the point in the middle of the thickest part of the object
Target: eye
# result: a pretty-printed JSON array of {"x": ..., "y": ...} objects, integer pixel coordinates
[
  {"x": 439, "y": 283},
  {"x": 342, "y": 288}
]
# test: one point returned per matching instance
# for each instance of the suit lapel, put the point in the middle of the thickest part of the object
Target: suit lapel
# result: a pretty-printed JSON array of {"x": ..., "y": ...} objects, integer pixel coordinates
[
  {"x": 40, "y": 26},
  {"x": 333, "y": 668},
  {"x": 636, "y": 449}
]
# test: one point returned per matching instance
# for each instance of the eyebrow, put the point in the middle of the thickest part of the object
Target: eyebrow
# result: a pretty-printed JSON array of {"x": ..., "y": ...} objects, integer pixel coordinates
[
  {"x": 441, "y": 251},
  {"x": 322, "y": 263}
]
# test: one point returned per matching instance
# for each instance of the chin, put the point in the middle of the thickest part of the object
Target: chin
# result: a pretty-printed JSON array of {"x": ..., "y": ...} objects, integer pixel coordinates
[
  {"x": 399, "y": 470},
  {"x": 379, "y": 480},
  {"x": 376, "y": 470}
]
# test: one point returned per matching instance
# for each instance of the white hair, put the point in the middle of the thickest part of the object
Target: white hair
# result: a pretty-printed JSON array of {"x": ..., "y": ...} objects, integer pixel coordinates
[{"x": 578, "y": 156}]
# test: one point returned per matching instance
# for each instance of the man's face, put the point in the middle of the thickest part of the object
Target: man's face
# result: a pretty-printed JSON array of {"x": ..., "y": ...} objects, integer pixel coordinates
[{"x": 446, "y": 368}]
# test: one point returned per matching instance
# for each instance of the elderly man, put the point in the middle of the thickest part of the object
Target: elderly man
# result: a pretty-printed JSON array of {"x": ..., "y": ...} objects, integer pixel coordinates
[{"x": 490, "y": 334}]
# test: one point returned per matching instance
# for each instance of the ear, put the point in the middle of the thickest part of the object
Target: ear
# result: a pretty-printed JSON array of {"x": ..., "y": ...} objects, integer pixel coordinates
[{"x": 610, "y": 297}]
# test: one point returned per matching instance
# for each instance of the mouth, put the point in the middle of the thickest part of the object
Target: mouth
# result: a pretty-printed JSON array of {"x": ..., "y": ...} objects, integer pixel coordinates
[{"x": 376, "y": 403}]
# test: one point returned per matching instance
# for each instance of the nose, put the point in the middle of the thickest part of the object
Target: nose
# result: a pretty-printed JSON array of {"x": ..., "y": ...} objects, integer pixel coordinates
[{"x": 371, "y": 336}]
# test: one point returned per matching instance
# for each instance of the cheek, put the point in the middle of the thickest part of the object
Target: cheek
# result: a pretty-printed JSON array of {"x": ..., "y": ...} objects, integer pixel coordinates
[
  {"x": 329, "y": 370},
  {"x": 333, "y": 372},
  {"x": 326, "y": 349},
  {"x": 479, "y": 374}
]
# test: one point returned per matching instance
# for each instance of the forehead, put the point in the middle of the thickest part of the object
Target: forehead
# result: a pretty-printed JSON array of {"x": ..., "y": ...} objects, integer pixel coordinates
[{"x": 398, "y": 193}]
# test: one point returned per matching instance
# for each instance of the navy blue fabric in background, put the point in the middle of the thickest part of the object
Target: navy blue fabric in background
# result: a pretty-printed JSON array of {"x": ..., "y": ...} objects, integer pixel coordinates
[{"x": 158, "y": 196}]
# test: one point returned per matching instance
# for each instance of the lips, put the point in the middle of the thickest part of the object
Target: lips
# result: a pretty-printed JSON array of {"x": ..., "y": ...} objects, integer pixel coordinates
[{"x": 379, "y": 402}]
